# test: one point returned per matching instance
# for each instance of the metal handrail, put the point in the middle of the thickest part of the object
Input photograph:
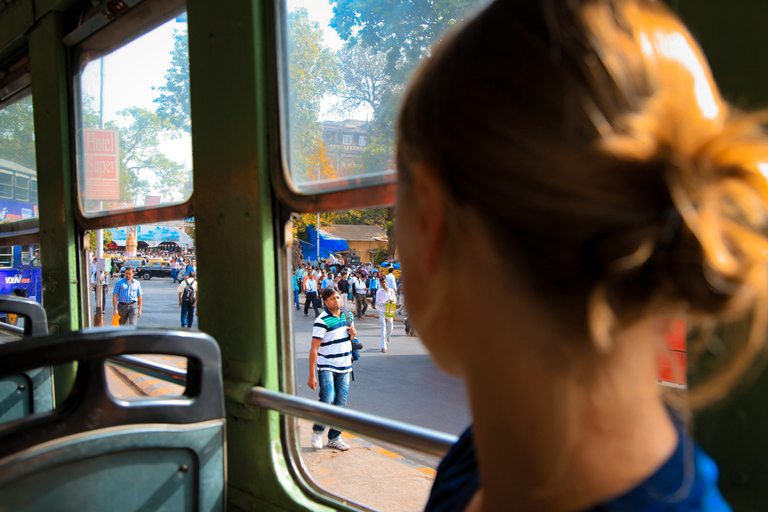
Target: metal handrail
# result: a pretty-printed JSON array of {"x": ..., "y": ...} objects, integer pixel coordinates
[
  {"x": 396, "y": 432},
  {"x": 151, "y": 368}
]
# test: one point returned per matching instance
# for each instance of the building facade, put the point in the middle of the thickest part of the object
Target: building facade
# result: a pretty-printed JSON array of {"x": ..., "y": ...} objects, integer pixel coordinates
[{"x": 344, "y": 143}]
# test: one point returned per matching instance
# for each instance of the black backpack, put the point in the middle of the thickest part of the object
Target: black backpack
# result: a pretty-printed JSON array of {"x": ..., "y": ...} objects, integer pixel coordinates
[{"x": 188, "y": 295}]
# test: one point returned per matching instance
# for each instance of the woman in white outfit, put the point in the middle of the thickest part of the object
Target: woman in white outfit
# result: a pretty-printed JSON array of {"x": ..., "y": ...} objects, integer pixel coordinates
[{"x": 384, "y": 295}]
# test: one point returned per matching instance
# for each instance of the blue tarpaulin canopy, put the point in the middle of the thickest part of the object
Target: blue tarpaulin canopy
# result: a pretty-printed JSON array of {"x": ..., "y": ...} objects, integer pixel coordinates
[{"x": 328, "y": 244}]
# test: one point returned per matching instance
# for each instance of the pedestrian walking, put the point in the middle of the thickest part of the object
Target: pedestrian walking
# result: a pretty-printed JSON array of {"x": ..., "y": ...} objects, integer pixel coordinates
[
  {"x": 330, "y": 362},
  {"x": 174, "y": 269},
  {"x": 343, "y": 286},
  {"x": 373, "y": 287},
  {"x": 385, "y": 295},
  {"x": 295, "y": 279},
  {"x": 310, "y": 290},
  {"x": 361, "y": 292},
  {"x": 188, "y": 299},
  {"x": 127, "y": 299}
]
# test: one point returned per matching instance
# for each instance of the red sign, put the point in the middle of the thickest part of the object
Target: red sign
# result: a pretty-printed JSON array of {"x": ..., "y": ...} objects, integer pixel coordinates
[
  {"x": 102, "y": 164},
  {"x": 152, "y": 200}
]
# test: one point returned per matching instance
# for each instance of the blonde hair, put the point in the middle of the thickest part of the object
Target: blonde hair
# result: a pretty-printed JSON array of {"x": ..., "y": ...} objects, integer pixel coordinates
[{"x": 590, "y": 138}]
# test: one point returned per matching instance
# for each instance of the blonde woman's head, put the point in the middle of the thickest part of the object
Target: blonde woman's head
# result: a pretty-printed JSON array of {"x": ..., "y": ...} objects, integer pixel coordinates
[{"x": 590, "y": 140}]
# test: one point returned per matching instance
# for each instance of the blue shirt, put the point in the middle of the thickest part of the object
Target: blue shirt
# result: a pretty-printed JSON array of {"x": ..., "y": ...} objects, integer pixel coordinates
[
  {"x": 127, "y": 292},
  {"x": 687, "y": 482}
]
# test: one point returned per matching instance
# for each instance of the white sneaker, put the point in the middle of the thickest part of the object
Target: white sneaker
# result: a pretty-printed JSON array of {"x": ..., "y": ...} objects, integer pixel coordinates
[
  {"x": 317, "y": 440},
  {"x": 339, "y": 444}
]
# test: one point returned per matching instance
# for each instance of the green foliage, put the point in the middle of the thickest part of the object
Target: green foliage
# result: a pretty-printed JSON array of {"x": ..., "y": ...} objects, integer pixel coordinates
[
  {"x": 396, "y": 35},
  {"x": 313, "y": 73},
  {"x": 93, "y": 239},
  {"x": 364, "y": 80},
  {"x": 17, "y": 133},
  {"x": 174, "y": 95},
  {"x": 403, "y": 31},
  {"x": 380, "y": 257},
  {"x": 139, "y": 153}
]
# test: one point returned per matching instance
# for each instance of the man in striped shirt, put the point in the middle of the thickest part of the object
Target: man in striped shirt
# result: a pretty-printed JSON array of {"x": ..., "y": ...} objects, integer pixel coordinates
[
  {"x": 126, "y": 299},
  {"x": 330, "y": 361}
]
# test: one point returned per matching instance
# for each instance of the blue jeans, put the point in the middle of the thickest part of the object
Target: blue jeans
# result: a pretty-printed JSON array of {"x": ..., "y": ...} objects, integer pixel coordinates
[
  {"x": 296, "y": 298},
  {"x": 334, "y": 388},
  {"x": 187, "y": 313},
  {"x": 174, "y": 271}
]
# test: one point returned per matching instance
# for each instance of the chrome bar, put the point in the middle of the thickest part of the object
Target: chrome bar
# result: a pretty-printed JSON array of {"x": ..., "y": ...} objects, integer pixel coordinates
[
  {"x": 151, "y": 368},
  {"x": 396, "y": 432}
]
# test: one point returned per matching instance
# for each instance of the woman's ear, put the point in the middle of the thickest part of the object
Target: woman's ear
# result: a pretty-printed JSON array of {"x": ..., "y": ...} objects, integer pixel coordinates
[{"x": 429, "y": 200}]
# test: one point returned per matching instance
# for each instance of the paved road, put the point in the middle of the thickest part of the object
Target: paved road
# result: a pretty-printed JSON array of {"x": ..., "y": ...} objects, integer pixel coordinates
[{"x": 161, "y": 304}]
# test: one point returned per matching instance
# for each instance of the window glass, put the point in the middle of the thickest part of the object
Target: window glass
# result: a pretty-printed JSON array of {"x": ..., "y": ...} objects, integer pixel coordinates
[
  {"x": 161, "y": 254},
  {"x": 17, "y": 160},
  {"x": 18, "y": 275},
  {"x": 22, "y": 188},
  {"x": 33, "y": 191},
  {"x": 135, "y": 149},
  {"x": 361, "y": 241},
  {"x": 6, "y": 257},
  {"x": 6, "y": 184},
  {"x": 348, "y": 65}
]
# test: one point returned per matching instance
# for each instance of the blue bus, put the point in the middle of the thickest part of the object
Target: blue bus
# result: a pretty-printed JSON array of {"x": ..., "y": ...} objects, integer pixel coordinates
[
  {"x": 18, "y": 192},
  {"x": 19, "y": 265}
]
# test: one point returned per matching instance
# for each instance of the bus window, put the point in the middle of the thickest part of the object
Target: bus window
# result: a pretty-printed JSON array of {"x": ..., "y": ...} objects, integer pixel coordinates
[
  {"x": 346, "y": 71},
  {"x": 6, "y": 257},
  {"x": 6, "y": 184},
  {"x": 17, "y": 160},
  {"x": 35, "y": 248},
  {"x": 21, "y": 192},
  {"x": 33, "y": 190},
  {"x": 135, "y": 146},
  {"x": 17, "y": 276}
]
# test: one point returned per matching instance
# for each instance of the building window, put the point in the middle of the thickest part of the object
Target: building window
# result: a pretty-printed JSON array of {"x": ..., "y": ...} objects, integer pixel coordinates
[
  {"x": 362, "y": 140},
  {"x": 348, "y": 140}
]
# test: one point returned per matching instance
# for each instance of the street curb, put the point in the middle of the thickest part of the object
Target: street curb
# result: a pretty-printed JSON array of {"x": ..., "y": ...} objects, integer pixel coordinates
[{"x": 147, "y": 386}]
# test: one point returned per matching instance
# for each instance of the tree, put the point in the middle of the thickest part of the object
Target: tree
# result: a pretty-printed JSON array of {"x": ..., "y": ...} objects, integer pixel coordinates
[
  {"x": 174, "y": 95},
  {"x": 403, "y": 31},
  {"x": 401, "y": 34},
  {"x": 312, "y": 73},
  {"x": 17, "y": 133},
  {"x": 139, "y": 152},
  {"x": 364, "y": 80}
]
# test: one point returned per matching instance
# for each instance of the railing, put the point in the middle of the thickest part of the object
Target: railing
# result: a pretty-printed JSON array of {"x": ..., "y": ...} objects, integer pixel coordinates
[{"x": 403, "y": 434}]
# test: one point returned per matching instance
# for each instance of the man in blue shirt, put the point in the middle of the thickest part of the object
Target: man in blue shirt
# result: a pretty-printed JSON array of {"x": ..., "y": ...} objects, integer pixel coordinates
[{"x": 126, "y": 299}]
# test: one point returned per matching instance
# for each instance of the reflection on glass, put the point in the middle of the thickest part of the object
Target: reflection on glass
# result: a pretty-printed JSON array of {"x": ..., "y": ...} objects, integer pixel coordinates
[
  {"x": 20, "y": 273},
  {"x": 348, "y": 66},
  {"x": 135, "y": 145},
  {"x": 18, "y": 177}
]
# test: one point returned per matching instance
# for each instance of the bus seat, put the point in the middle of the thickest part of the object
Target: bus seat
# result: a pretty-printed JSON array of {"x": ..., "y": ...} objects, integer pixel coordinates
[
  {"x": 96, "y": 452},
  {"x": 30, "y": 391}
]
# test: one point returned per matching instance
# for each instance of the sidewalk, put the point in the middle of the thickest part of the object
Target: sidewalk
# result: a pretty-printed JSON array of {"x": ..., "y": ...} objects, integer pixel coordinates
[{"x": 367, "y": 473}]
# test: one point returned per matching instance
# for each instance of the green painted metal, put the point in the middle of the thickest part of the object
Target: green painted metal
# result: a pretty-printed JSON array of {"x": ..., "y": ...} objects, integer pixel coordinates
[
  {"x": 26, "y": 393},
  {"x": 129, "y": 469},
  {"x": 735, "y": 41},
  {"x": 230, "y": 45},
  {"x": 50, "y": 88},
  {"x": 15, "y": 20}
]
